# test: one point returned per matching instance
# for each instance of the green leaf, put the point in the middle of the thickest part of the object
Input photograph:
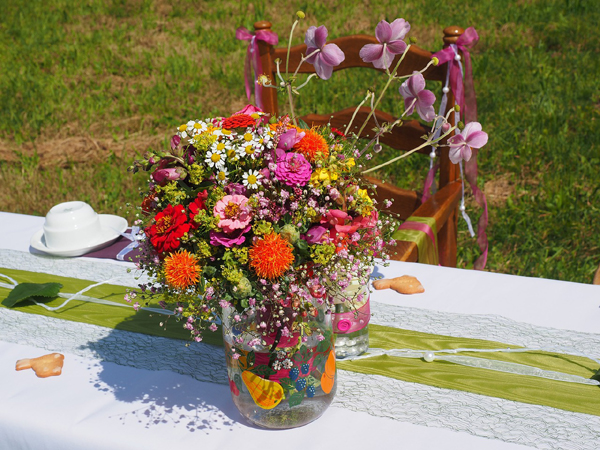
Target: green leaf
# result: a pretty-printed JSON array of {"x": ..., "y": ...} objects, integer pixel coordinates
[
  {"x": 287, "y": 384},
  {"x": 302, "y": 124},
  {"x": 24, "y": 291},
  {"x": 596, "y": 376},
  {"x": 296, "y": 398},
  {"x": 319, "y": 361}
]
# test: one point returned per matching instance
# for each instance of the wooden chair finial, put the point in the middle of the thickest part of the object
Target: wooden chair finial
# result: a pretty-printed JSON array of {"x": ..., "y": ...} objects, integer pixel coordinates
[
  {"x": 452, "y": 33},
  {"x": 262, "y": 25}
]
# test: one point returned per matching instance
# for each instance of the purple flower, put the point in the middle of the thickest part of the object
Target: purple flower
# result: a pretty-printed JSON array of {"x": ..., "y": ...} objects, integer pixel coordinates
[
  {"x": 461, "y": 144},
  {"x": 415, "y": 95},
  {"x": 235, "y": 189},
  {"x": 314, "y": 235},
  {"x": 162, "y": 176},
  {"x": 229, "y": 239},
  {"x": 290, "y": 138},
  {"x": 327, "y": 55},
  {"x": 390, "y": 36},
  {"x": 292, "y": 168}
]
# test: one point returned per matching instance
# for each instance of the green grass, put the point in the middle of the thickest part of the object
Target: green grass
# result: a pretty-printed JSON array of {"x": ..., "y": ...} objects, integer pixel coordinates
[{"x": 120, "y": 75}]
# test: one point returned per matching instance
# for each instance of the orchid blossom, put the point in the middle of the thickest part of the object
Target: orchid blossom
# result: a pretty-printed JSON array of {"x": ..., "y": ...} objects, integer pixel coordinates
[
  {"x": 461, "y": 144},
  {"x": 321, "y": 55},
  {"x": 390, "y": 37},
  {"x": 415, "y": 95}
]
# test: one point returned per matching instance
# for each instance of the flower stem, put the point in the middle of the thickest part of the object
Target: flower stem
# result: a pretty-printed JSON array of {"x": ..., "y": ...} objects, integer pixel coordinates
[
  {"x": 404, "y": 155},
  {"x": 389, "y": 81},
  {"x": 291, "y": 101},
  {"x": 369, "y": 94},
  {"x": 287, "y": 60}
]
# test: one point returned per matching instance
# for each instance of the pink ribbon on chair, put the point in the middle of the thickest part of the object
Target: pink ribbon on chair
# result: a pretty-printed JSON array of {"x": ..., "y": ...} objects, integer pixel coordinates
[
  {"x": 252, "y": 62},
  {"x": 463, "y": 93}
]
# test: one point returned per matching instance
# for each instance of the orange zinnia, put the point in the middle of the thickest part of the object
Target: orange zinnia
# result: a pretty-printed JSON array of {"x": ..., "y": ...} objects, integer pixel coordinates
[
  {"x": 271, "y": 256},
  {"x": 181, "y": 269},
  {"x": 311, "y": 144}
]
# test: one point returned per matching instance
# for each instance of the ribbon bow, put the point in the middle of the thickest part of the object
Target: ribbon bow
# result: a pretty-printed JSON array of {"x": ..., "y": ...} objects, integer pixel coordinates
[
  {"x": 135, "y": 237},
  {"x": 464, "y": 94},
  {"x": 252, "y": 63}
]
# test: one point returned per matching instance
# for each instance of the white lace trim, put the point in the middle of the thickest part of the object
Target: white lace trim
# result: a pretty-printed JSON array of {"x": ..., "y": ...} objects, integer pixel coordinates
[
  {"x": 486, "y": 327},
  {"x": 489, "y": 417},
  {"x": 73, "y": 268}
]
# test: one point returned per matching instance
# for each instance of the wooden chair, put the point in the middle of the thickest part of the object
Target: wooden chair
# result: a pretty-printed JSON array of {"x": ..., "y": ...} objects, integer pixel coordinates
[{"x": 442, "y": 206}]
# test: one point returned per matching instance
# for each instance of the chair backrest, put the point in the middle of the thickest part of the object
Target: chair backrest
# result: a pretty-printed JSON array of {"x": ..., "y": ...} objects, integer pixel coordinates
[
  {"x": 402, "y": 138},
  {"x": 443, "y": 205}
]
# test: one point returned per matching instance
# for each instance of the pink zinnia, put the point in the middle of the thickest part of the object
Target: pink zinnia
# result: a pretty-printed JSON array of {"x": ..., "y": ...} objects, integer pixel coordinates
[
  {"x": 233, "y": 212},
  {"x": 292, "y": 169}
]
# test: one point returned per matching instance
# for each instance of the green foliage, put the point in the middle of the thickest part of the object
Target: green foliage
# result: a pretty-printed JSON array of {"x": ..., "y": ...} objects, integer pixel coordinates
[{"x": 119, "y": 69}]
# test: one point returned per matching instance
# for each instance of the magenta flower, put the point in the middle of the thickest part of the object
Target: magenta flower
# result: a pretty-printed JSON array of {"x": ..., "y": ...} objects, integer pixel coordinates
[
  {"x": 325, "y": 56},
  {"x": 390, "y": 36},
  {"x": 162, "y": 176},
  {"x": 314, "y": 235},
  {"x": 292, "y": 168},
  {"x": 248, "y": 110},
  {"x": 290, "y": 138},
  {"x": 461, "y": 144},
  {"x": 233, "y": 212},
  {"x": 415, "y": 95},
  {"x": 229, "y": 240}
]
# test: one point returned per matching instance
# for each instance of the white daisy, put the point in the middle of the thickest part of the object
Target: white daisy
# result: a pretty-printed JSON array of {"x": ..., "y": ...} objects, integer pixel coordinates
[
  {"x": 181, "y": 130},
  {"x": 215, "y": 158},
  {"x": 221, "y": 175},
  {"x": 250, "y": 149},
  {"x": 252, "y": 179},
  {"x": 223, "y": 132}
]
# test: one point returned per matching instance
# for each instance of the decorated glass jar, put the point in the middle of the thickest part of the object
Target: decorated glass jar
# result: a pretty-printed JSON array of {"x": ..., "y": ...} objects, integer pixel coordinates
[{"x": 279, "y": 376}]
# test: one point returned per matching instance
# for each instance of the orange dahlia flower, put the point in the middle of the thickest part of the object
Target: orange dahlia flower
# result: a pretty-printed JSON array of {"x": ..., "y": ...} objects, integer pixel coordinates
[
  {"x": 311, "y": 144},
  {"x": 271, "y": 256},
  {"x": 182, "y": 269}
]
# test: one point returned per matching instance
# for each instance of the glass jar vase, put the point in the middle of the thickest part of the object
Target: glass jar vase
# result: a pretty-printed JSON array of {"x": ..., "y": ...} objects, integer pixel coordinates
[
  {"x": 280, "y": 375},
  {"x": 351, "y": 320}
]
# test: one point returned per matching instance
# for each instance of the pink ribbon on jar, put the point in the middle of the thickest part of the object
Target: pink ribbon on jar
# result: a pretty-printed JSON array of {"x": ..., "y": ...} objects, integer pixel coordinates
[
  {"x": 252, "y": 63},
  {"x": 351, "y": 321}
]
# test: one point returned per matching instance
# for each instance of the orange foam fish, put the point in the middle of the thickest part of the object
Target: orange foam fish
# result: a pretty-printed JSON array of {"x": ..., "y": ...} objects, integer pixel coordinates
[
  {"x": 266, "y": 394},
  {"x": 328, "y": 377},
  {"x": 44, "y": 366}
]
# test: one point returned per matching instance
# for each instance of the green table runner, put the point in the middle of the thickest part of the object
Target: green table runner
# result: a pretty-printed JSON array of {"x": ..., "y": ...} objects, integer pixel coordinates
[{"x": 528, "y": 389}]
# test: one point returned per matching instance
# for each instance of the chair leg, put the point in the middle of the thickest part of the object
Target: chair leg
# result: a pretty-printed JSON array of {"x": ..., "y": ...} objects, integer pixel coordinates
[{"x": 447, "y": 241}]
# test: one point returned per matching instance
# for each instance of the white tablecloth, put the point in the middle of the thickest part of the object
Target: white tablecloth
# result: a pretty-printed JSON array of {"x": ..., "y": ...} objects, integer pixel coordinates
[{"x": 105, "y": 401}]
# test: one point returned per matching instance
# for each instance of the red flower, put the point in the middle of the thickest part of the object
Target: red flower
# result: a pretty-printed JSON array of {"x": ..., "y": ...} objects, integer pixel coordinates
[
  {"x": 149, "y": 202},
  {"x": 196, "y": 206},
  {"x": 238, "y": 121},
  {"x": 169, "y": 226}
]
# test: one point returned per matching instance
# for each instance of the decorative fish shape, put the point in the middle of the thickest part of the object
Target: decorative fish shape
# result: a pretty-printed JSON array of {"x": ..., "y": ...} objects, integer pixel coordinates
[
  {"x": 266, "y": 394},
  {"x": 328, "y": 377}
]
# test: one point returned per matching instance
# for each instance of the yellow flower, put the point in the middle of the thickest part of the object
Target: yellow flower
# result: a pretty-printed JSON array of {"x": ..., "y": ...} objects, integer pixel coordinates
[
  {"x": 364, "y": 196},
  {"x": 323, "y": 175},
  {"x": 350, "y": 163}
]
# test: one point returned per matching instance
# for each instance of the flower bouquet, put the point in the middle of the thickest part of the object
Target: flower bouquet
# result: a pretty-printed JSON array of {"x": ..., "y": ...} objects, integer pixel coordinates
[{"x": 257, "y": 224}]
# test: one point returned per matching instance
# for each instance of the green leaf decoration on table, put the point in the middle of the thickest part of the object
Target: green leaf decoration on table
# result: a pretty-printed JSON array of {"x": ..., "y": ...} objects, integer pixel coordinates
[
  {"x": 296, "y": 398},
  {"x": 25, "y": 291},
  {"x": 596, "y": 376}
]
